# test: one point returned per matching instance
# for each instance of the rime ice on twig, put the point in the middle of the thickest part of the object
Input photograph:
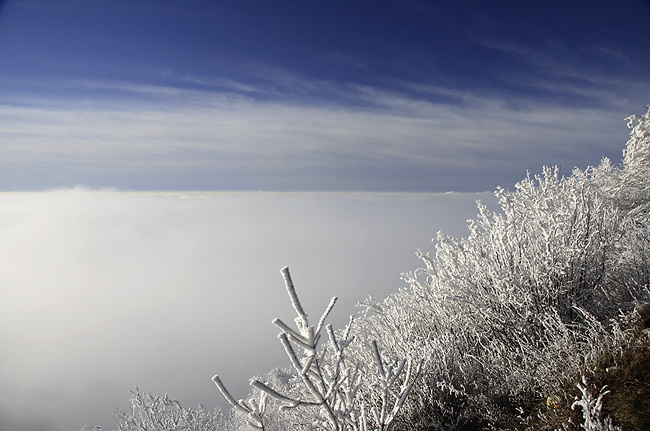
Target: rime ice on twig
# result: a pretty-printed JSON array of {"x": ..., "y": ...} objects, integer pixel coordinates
[
  {"x": 591, "y": 409},
  {"x": 292, "y": 294},
  {"x": 253, "y": 413},
  {"x": 388, "y": 377},
  {"x": 330, "y": 381}
]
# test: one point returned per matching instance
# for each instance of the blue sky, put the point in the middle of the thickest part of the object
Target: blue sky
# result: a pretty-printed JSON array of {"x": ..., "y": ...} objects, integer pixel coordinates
[{"x": 312, "y": 96}]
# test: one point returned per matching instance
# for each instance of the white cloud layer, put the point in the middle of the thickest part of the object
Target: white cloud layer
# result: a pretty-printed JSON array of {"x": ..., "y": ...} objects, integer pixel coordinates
[
  {"x": 168, "y": 138},
  {"x": 104, "y": 290}
]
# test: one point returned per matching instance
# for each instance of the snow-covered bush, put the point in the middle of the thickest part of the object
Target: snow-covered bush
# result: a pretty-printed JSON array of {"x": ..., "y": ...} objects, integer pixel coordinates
[
  {"x": 154, "y": 413},
  {"x": 528, "y": 298},
  {"x": 591, "y": 409},
  {"x": 326, "y": 381}
]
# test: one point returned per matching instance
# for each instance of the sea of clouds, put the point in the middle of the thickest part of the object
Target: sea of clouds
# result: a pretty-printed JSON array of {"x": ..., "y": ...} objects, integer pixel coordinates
[{"x": 105, "y": 290}]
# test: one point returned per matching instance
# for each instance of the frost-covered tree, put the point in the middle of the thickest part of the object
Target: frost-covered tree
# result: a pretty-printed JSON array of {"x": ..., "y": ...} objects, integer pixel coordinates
[{"x": 526, "y": 299}]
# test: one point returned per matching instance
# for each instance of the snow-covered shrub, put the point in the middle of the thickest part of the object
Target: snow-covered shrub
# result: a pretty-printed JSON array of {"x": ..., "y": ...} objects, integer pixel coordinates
[
  {"x": 527, "y": 299},
  {"x": 154, "y": 413},
  {"x": 591, "y": 409},
  {"x": 326, "y": 381},
  {"x": 330, "y": 387},
  {"x": 632, "y": 185}
]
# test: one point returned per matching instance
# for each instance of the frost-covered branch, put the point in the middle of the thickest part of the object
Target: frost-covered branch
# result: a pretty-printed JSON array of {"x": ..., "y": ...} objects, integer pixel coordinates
[
  {"x": 591, "y": 409},
  {"x": 389, "y": 375},
  {"x": 253, "y": 412},
  {"x": 321, "y": 377}
]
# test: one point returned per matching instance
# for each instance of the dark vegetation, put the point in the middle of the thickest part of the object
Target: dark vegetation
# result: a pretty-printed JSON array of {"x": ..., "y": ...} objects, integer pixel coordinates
[{"x": 624, "y": 375}]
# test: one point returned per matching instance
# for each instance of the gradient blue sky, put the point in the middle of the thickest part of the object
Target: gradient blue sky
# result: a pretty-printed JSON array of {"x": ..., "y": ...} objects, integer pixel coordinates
[{"x": 381, "y": 95}]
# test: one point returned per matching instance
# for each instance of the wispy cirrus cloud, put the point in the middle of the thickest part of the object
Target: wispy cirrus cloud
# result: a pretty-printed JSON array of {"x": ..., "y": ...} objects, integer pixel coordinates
[
  {"x": 292, "y": 133},
  {"x": 599, "y": 76}
]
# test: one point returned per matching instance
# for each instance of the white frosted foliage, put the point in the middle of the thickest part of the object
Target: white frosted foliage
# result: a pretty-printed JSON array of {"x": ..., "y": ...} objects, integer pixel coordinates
[{"x": 330, "y": 379}]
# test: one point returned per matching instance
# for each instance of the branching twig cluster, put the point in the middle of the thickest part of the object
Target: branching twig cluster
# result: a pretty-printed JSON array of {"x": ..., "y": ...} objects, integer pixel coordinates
[
  {"x": 591, "y": 409},
  {"x": 331, "y": 381}
]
